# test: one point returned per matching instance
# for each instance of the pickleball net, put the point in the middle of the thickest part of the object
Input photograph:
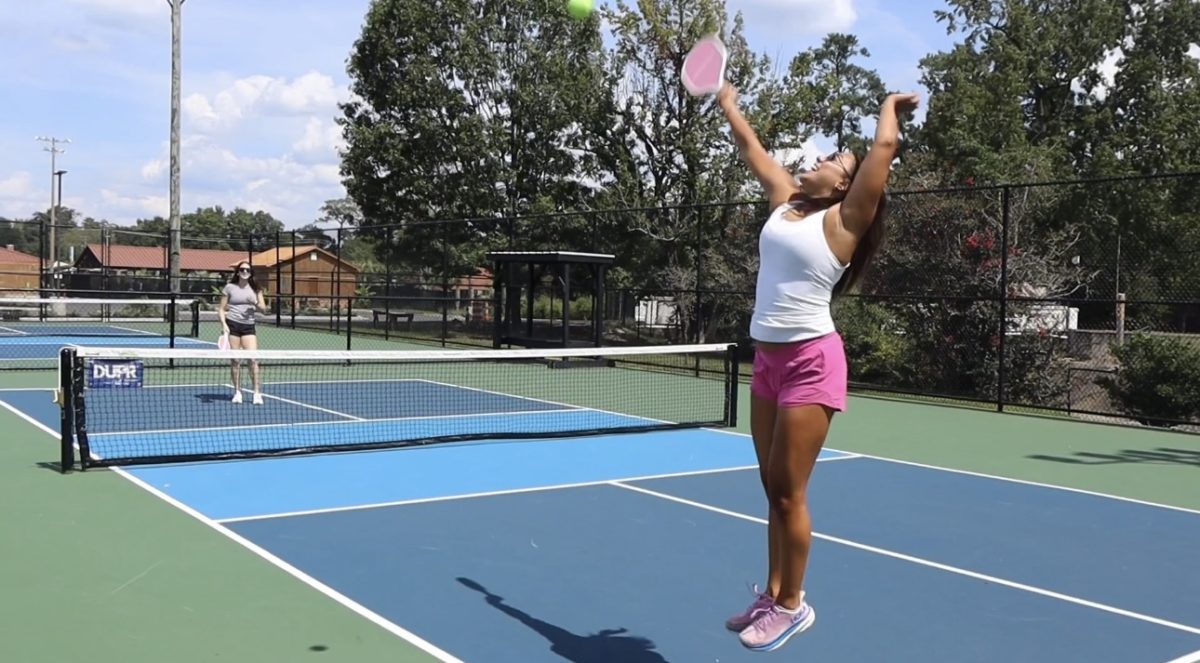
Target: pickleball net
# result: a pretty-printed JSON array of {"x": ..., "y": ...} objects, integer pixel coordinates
[
  {"x": 127, "y": 406},
  {"x": 103, "y": 317}
]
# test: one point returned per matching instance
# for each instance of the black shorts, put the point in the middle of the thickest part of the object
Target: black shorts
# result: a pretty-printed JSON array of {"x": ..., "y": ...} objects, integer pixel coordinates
[{"x": 240, "y": 329}]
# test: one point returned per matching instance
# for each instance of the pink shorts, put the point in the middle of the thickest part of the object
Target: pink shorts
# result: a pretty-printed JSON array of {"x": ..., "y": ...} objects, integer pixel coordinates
[{"x": 806, "y": 372}]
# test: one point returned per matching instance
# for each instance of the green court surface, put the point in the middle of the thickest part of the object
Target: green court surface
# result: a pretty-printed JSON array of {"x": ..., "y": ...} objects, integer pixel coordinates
[{"x": 99, "y": 569}]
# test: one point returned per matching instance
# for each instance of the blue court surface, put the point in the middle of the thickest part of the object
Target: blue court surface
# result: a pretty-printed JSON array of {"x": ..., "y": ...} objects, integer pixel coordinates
[
  {"x": 198, "y": 418},
  {"x": 635, "y": 548},
  {"x": 43, "y": 345}
]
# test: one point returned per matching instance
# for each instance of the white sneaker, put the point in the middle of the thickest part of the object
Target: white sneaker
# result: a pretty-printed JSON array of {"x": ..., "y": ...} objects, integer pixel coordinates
[
  {"x": 237, "y": 396},
  {"x": 258, "y": 399}
]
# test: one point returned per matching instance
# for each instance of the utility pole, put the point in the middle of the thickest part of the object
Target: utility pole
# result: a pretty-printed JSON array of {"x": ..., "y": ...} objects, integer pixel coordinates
[
  {"x": 54, "y": 151},
  {"x": 176, "y": 25}
]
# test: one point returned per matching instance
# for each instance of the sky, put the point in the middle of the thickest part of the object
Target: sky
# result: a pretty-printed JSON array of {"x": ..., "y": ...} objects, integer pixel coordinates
[{"x": 261, "y": 81}]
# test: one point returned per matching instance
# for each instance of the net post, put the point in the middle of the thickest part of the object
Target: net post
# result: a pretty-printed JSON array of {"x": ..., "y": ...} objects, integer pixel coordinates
[
  {"x": 349, "y": 315},
  {"x": 278, "y": 282},
  {"x": 79, "y": 408},
  {"x": 565, "y": 275},
  {"x": 292, "y": 285},
  {"x": 1001, "y": 372},
  {"x": 171, "y": 309},
  {"x": 66, "y": 404},
  {"x": 733, "y": 375},
  {"x": 445, "y": 286},
  {"x": 1120, "y": 319},
  {"x": 499, "y": 299}
]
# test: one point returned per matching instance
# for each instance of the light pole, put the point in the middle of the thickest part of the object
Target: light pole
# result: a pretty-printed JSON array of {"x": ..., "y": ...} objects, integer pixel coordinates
[
  {"x": 54, "y": 244},
  {"x": 54, "y": 151},
  {"x": 59, "y": 174},
  {"x": 176, "y": 26}
]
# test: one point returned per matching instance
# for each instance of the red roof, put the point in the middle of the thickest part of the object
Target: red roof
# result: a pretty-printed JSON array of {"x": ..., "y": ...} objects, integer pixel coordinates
[
  {"x": 283, "y": 254},
  {"x": 120, "y": 256},
  {"x": 13, "y": 257}
]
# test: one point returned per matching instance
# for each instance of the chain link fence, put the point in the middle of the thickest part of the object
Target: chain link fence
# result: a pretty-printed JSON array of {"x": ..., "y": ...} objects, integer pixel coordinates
[{"x": 1077, "y": 298}]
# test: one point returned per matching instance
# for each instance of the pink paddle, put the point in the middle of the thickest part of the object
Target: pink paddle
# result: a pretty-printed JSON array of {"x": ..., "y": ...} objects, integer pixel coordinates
[
  {"x": 704, "y": 67},
  {"x": 223, "y": 342}
]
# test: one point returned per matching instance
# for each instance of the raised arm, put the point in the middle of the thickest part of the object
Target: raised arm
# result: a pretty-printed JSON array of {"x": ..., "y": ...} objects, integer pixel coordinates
[
  {"x": 775, "y": 179},
  {"x": 858, "y": 208}
]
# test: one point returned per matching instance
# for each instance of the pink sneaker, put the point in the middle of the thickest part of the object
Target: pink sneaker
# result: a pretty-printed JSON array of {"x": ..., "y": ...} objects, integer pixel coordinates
[
  {"x": 761, "y": 603},
  {"x": 775, "y": 626}
]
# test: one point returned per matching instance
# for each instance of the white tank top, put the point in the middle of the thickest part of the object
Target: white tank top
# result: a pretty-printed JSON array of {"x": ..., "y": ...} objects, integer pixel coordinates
[{"x": 796, "y": 275}]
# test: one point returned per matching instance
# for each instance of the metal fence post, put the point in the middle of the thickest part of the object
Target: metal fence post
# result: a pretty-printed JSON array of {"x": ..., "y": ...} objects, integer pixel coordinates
[{"x": 1002, "y": 373}]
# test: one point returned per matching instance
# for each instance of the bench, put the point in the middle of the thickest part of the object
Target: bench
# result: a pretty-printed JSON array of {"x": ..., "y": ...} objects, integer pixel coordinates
[{"x": 392, "y": 317}]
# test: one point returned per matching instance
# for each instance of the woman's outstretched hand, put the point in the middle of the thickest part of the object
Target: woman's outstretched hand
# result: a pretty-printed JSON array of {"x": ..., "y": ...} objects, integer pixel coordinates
[
  {"x": 903, "y": 102},
  {"x": 727, "y": 98}
]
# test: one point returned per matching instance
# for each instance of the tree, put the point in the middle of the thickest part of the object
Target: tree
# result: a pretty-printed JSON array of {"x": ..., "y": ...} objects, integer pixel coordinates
[
  {"x": 665, "y": 152},
  {"x": 460, "y": 111},
  {"x": 833, "y": 93},
  {"x": 1002, "y": 106}
]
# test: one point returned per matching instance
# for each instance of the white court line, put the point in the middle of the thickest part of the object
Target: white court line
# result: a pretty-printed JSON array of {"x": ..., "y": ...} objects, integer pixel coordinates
[
  {"x": 331, "y": 423},
  {"x": 18, "y": 332},
  {"x": 508, "y": 491},
  {"x": 354, "y": 606},
  {"x": 311, "y": 407},
  {"x": 996, "y": 477},
  {"x": 20, "y": 413},
  {"x": 939, "y": 468},
  {"x": 490, "y": 493},
  {"x": 139, "y": 331},
  {"x": 1193, "y": 657},
  {"x": 929, "y": 563},
  {"x": 530, "y": 398},
  {"x": 443, "y": 656}
]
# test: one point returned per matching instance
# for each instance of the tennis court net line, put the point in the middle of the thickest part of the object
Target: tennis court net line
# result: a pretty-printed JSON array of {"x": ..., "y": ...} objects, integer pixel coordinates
[
  {"x": 127, "y": 406},
  {"x": 98, "y": 317}
]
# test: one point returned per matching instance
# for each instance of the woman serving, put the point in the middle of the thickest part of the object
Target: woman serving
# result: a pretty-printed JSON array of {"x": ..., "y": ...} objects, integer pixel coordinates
[
  {"x": 825, "y": 226},
  {"x": 241, "y": 298}
]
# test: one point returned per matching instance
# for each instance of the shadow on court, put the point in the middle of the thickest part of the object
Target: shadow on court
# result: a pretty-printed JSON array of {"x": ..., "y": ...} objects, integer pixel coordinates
[
  {"x": 214, "y": 397},
  {"x": 605, "y": 646},
  {"x": 1161, "y": 456}
]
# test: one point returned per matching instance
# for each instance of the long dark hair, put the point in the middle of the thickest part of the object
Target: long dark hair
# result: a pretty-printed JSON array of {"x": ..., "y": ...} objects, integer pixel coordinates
[
  {"x": 866, "y": 249},
  {"x": 234, "y": 279}
]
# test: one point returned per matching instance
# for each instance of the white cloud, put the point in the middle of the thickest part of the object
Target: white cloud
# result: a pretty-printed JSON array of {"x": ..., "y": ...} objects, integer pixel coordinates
[
  {"x": 321, "y": 138},
  {"x": 212, "y": 173},
  {"x": 17, "y": 184},
  {"x": 19, "y": 199},
  {"x": 117, "y": 205},
  {"x": 262, "y": 96}
]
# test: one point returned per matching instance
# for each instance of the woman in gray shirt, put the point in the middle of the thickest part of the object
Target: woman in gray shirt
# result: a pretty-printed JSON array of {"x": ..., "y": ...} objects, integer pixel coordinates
[{"x": 240, "y": 299}]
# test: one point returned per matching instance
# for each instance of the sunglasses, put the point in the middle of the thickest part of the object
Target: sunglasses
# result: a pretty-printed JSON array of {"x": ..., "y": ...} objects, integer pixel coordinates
[
  {"x": 243, "y": 270},
  {"x": 834, "y": 158}
]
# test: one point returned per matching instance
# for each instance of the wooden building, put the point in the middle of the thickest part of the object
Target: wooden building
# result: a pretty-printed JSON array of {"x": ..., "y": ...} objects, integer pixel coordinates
[
  {"x": 19, "y": 273},
  {"x": 315, "y": 276}
]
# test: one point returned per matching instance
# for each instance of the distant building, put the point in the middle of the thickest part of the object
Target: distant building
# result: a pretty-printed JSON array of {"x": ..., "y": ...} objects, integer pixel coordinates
[
  {"x": 19, "y": 273},
  {"x": 311, "y": 273}
]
